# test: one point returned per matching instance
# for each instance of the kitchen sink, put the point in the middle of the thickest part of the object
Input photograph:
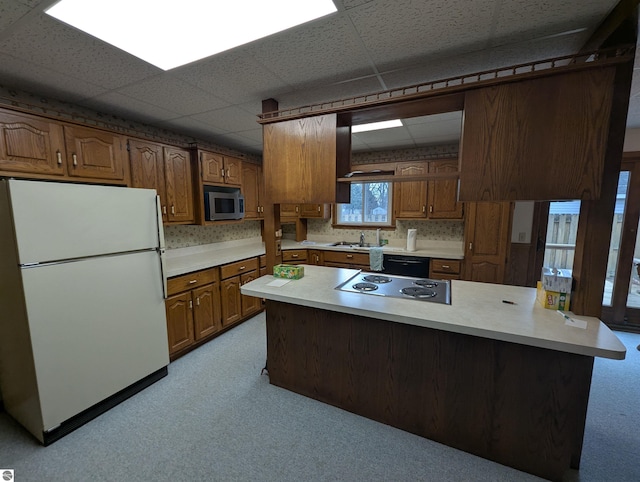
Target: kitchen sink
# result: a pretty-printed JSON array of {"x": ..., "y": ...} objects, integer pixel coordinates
[{"x": 352, "y": 244}]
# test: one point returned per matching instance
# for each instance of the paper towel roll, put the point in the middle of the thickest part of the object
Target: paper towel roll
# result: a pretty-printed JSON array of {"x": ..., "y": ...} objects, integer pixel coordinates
[{"x": 411, "y": 239}]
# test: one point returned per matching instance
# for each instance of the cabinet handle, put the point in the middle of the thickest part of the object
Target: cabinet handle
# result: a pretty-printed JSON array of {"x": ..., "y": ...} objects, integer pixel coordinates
[
  {"x": 222, "y": 172},
  {"x": 445, "y": 266},
  {"x": 318, "y": 208},
  {"x": 59, "y": 156},
  {"x": 197, "y": 301},
  {"x": 173, "y": 209},
  {"x": 193, "y": 281},
  {"x": 294, "y": 255},
  {"x": 470, "y": 246},
  {"x": 164, "y": 209},
  {"x": 228, "y": 173},
  {"x": 241, "y": 268},
  {"x": 424, "y": 209},
  {"x": 349, "y": 256},
  {"x": 190, "y": 304},
  {"x": 431, "y": 208},
  {"x": 75, "y": 159},
  {"x": 297, "y": 209}
]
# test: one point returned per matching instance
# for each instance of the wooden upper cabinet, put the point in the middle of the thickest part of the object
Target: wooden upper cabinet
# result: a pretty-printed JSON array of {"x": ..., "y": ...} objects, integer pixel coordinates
[
  {"x": 410, "y": 197},
  {"x": 31, "y": 145},
  {"x": 220, "y": 169},
  {"x": 487, "y": 234},
  {"x": 147, "y": 169},
  {"x": 302, "y": 159},
  {"x": 443, "y": 193},
  {"x": 179, "y": 185},
  {"x": 537, "y": 139},
  {"x": 94, "y": 153},
  {"x": 251, "y": 180}
]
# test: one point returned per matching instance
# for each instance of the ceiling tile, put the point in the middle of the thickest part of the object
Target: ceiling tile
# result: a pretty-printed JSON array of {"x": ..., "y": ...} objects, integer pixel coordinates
[
  {"x": 53, "y": 45},
  {"x": 10, "y": 12},
  {"x": 228, "y": 119},
  {"x": 232, "y": 77},
  {"x": 393, "y": 30},
  {"x": 30, "y": 77},
  {"x": 320, "y": 52},
  {"x": 127, "y": 107},
  {"x": 173, "y": 94}
]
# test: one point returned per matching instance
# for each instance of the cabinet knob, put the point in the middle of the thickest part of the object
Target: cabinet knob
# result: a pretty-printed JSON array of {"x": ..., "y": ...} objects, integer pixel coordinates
[
  {"x": 75, "y": 159},
  {"x": 59, "y": 157}
]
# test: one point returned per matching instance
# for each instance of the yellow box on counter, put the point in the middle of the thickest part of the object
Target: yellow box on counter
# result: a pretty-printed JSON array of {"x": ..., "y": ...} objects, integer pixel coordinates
[
  {"x": 553, "y": 300},
  {"x": 288, "y": 271}
]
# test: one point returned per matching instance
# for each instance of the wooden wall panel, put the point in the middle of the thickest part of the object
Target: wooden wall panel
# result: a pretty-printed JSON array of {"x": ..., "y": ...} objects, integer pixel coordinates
[
  {"x": 539, "y": 139},
  {"x": 518, "y": 405}
]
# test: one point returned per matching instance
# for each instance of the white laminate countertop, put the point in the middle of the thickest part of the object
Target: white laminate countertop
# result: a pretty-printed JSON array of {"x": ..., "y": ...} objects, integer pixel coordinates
[
  {"x": 186, "y": 260},
  {"x": 476, "y": 309}
]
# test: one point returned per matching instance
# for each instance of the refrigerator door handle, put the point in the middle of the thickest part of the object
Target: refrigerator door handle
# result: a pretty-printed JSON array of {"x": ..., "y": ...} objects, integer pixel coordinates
[{"x": 161, "y": 247}]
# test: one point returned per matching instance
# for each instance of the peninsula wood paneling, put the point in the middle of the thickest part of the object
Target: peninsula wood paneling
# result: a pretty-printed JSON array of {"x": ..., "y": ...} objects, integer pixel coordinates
[
  {"x": 518, "y": 405},
  {"x": 300, "y": 161},
  {"x": 539, "y": 139}
]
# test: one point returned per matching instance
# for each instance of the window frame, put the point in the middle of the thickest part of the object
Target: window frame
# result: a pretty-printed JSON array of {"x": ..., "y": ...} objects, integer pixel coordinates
[{"x": 391, "y": 212}]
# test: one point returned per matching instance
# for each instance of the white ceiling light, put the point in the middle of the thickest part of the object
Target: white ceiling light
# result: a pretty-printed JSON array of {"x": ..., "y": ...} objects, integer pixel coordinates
[
  {"x": 374, "y": 126},
  {"x": 170, "y": 33}
]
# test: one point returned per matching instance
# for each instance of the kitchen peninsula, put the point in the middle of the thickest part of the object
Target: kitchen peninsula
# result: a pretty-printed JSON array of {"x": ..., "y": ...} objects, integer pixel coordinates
[{"x": 506, "y": 381}]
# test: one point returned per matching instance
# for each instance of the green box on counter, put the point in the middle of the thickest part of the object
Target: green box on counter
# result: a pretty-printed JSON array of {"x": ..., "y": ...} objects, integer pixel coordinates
[{"x": 288, "y": 271}]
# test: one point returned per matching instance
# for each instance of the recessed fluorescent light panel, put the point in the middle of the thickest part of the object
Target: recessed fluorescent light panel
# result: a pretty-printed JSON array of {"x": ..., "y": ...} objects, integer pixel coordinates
[
  {"x": 374, "y": 126},
  {"x": 170, "y": 33}
]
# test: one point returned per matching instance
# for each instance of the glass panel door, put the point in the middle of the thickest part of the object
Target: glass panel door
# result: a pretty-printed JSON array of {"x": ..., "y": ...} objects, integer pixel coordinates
[{"x": 621, "y": 298}]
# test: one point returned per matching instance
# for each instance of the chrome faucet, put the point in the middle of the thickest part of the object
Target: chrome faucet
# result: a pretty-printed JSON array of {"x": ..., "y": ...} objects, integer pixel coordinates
[{"x": 361, "y": 238}]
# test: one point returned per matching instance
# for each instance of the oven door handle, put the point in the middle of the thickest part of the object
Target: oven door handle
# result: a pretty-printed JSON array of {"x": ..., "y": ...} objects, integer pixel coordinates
[{"x": 404, "y": 261}]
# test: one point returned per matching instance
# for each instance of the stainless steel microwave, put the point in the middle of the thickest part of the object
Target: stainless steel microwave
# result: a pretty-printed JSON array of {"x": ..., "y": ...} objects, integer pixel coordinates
[{"x": 223, "y": 203}]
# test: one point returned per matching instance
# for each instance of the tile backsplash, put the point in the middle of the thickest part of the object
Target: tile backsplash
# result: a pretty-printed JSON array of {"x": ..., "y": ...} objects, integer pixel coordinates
[
  {"x": 183, "y": 236},
  {"x": 427, "y": 231}
]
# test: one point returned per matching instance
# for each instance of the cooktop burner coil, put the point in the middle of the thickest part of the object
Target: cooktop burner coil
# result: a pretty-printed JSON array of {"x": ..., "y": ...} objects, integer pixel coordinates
[
  {"x": 418, "y": 292},
  {"x": 425, "y": 283},
  {"x": 376, "y": 278},
  {"x": 365, "y": 286}
]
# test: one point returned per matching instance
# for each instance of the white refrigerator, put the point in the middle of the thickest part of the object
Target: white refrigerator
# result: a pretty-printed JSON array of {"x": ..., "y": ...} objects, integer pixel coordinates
[{"x": 82, "y": 288}]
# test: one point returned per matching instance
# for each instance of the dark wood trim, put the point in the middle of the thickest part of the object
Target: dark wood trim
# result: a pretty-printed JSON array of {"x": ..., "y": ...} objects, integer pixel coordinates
[
  {"x": 538, "y": 241},
  {"x": 518, "y": 405},
  {"x": 621, "y": 12},
  {"x": 596, "y": 217}
]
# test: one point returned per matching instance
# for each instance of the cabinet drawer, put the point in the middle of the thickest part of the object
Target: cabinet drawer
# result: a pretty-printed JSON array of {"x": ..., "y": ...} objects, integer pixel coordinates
[
  {"x": 346, "y": 257},
  {"x": 294, "y": 255},
  {"x": 239, "y": 267},
  {"x": 263, "y": 261},
  {"x": 451, "y": 266},
  {"x": 185, "y": 282}
]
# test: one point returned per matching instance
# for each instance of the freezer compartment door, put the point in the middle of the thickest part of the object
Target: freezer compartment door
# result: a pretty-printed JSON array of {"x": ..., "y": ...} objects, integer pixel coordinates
[
  {"x": 55, "y": 221},
  {"x": 97, "y": 326}
]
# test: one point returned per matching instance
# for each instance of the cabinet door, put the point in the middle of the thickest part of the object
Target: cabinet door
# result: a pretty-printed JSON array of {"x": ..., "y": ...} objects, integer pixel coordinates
[
  {"x": 250, "y": 190},
  {"x": 179, "y": 185},
  {"x": 314, "y": 257},
  {"x": 233, "y": 170},
  {"x": 487, "y": 232},
  {"x": 93, "y": 153},
  {"x": 315, "y": 211},
  {"x": 207, "y": 318},
  {"x": 212, "y": 167},
  {"x": 31, "y": 145},
  {"x": 443, "y": 194},
  {"x": 179, "y": 321},
  {"x": 289, "y": 210},
  {"x": 230, "y": 300},
  {"x": 410, "y": 197},
  {"x": 250, "y": 304},
  {"x": 147, "y": 169}
]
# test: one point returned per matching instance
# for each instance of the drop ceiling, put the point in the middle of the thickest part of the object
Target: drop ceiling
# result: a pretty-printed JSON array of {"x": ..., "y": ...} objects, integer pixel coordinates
[{"x": 367, "y": 46}]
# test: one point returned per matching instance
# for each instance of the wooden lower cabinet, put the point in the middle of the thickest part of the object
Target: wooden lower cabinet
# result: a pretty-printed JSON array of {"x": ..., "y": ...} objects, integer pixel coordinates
[
  {"x": 345, "y": 259},
  {"x": 193, "y": 308},
  {"x": 445, "y": 269},
  {"x": 235, "y": 305},
  {"x": 294, "y": 256}
]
